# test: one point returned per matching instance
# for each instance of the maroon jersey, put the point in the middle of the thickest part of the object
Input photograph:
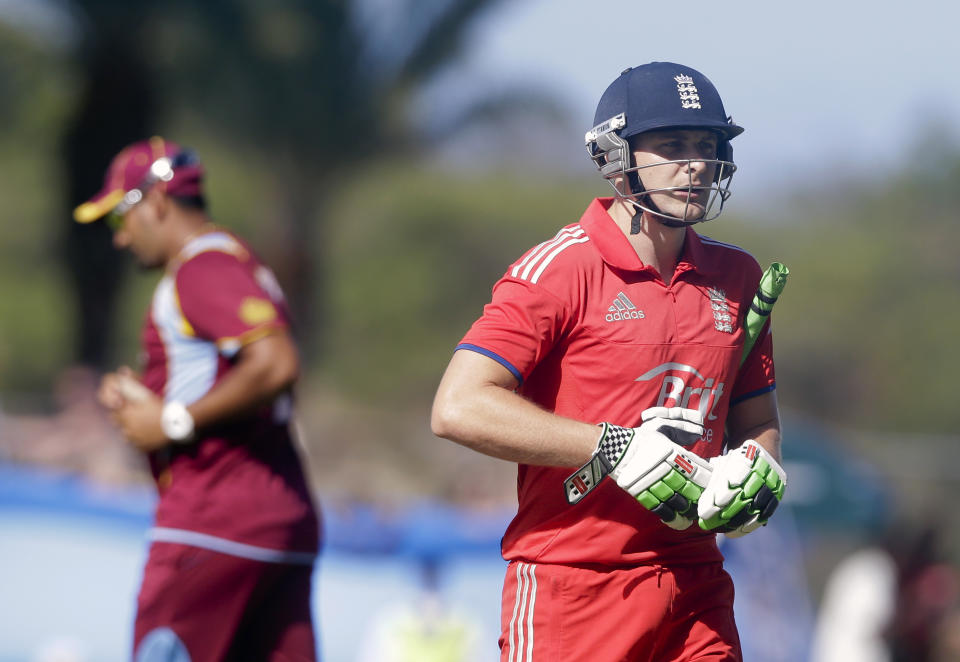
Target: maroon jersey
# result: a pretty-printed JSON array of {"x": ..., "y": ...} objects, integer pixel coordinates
[
  {"x": 239, "y": 488},
  {"x": 595, "y": 335}
]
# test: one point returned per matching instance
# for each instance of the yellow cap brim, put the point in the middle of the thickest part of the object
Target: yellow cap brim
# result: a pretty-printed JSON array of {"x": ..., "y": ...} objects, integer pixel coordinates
[{"x": 90, "y": 211}]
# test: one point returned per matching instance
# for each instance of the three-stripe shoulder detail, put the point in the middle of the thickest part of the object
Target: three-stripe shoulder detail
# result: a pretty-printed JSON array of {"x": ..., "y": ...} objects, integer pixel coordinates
[{"x": 532, "y": 266}]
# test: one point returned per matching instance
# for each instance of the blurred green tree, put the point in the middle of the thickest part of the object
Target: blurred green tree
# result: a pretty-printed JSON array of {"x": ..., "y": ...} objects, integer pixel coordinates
[
  {"x": 35, "y": 334},
  {"x": 317, "y": 88},
  {"x": 117, "y": 105},
  {"x": 865, "y": 333}
]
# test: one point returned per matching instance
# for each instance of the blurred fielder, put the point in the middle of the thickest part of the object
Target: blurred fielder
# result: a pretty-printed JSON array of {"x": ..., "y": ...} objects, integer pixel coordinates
[
  {"x": 631, "y": 321},
  {"x": 236, "y": 534}
]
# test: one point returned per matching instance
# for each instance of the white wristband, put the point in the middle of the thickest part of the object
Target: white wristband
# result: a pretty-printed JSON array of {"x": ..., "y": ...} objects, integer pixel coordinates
[{"x": 176, "y": 422}]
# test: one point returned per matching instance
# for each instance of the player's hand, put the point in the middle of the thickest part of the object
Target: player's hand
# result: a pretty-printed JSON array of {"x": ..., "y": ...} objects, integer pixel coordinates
[
  {"x": 139, "y": 421},
  {"x": 110, "y": 394},
  {"x": 746, "y": 487},
  {"x": 134, "y": 408},
  {"x": 650, "y": 463},
  {"x": 117, "y": 388}
]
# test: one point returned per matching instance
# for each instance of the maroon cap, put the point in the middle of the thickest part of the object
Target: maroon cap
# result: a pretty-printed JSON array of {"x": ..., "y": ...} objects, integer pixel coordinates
[{"x": 130, "y": 169}]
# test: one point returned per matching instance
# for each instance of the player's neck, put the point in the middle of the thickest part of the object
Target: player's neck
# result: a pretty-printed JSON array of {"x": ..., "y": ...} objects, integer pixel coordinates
[
  {"x": 657, "y": 245},
  {"x": 187, "y": 229}
]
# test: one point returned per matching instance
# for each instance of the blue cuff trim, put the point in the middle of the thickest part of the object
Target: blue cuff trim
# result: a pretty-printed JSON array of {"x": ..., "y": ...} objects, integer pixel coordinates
[
  {"x": 753, "y": 394},
  {"x": 496, "y": 357}
]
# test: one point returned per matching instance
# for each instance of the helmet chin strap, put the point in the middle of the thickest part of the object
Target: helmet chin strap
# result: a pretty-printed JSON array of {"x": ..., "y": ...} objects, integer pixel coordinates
[
  {"x": 633, "y": 179},
  {"x": 636, "y": 222}
]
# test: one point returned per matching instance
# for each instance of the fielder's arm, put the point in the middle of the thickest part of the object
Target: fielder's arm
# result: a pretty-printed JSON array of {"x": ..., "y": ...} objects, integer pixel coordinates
[{"x": 263, "y": 370}]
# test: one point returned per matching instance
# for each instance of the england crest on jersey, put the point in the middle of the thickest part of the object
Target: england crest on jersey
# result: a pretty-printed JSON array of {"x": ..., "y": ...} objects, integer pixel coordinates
[{"x": 722, "y": 319}]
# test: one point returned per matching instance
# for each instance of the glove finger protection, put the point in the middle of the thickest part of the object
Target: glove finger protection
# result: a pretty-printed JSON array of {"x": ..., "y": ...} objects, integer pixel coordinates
[
  {"x": 679, "y": 425},
  {"x": 745, "y": 489},
  {"x": 664, "y": 477}
]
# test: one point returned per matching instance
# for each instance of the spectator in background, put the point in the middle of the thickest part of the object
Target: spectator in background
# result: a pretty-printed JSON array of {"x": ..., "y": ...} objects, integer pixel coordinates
[
  {"x": 856, "y": 608},
  {"x": 77, "y": 436},
  {"x": 232, "y": 551},
  {"x": 426, "y": 629},
  {"x": 947, "y": 638},
  {"x": 890, "y": 602},
  {"x": 927, "y": 592},
  {"x": 768, "y": 570}
]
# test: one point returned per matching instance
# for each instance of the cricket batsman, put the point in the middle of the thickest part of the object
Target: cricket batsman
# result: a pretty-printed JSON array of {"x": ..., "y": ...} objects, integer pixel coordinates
[{"x": 608, "y": 366}]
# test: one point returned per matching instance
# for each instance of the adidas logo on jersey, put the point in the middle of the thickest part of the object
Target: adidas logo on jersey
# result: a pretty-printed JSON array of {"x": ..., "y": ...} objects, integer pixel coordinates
[{"x": 622, "y": 309}]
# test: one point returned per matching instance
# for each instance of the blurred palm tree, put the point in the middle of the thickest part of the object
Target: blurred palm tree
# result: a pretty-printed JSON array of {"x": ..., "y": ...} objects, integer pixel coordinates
[
  {"x": 117, "y": 105},
  {"x": 318, "y": 87}
]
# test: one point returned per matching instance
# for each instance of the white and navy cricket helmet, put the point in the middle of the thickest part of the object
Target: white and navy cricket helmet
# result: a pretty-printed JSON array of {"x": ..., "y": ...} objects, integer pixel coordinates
[{"x": 660, "y": 95}]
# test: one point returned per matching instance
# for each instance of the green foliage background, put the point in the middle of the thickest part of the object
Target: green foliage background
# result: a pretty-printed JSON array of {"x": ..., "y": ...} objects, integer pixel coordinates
[{"x": 865, "y": 332}]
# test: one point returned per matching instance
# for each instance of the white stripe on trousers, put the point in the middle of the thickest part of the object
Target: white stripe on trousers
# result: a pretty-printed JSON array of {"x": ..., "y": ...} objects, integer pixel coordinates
[{"x": 521, "y": 623}]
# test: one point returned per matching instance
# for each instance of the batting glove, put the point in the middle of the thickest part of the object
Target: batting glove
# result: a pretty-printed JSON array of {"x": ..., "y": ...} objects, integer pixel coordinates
[
  {"x": 650, "y": 463},
  {"x": 746, "y": 487}
]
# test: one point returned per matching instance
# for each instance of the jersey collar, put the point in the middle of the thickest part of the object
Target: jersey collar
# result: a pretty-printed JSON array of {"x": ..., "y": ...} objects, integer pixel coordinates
[
  {"x": 693, "y": 257},
  {"x": 615, "y": 248}
]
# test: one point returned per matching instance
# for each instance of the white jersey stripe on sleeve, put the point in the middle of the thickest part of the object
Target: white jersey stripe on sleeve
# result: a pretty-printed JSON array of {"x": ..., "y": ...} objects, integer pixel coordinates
[
  {"x": 556, "y": 251},
  {"x": 530, "y": 261},
  {"x": 533, "y": 251},
  {"x": 547, "y": 248}
]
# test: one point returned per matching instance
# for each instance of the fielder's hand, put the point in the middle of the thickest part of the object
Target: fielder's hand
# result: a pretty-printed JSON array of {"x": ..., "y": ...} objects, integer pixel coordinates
[
  {"x": 650, "y": 464},
  {"x": 746, "y": 487},
  {"x": 133, "y": 408}
]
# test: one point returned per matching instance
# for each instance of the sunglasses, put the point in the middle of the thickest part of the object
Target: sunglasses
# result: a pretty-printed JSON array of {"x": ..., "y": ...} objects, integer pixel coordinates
[{"x": 160, "y": 170}]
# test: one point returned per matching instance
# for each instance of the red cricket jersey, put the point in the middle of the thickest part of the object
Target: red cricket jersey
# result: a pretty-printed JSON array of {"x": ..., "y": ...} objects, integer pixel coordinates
[
  {"x": 593, "y": 334},
  {"x": 239, "y": 488}
]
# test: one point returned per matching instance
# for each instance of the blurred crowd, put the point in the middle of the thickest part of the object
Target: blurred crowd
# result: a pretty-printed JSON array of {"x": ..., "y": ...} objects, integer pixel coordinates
[
  {"x": 77, "y": 436},
  {"x": 894, "y": 599}
]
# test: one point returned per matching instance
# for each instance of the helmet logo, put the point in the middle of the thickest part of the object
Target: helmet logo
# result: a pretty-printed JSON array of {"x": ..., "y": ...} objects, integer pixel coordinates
[{"x": 689, "y": 95}]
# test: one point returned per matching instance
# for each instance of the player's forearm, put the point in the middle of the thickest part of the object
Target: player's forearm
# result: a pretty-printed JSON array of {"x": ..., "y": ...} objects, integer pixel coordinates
[
  {"x": 260, "y": 375},
  {"x": 757, "y": 418},
  {"x": 498, "y": 422},
  {"x": 236, "y": 395},
  {"x": 766, "y": 434}
]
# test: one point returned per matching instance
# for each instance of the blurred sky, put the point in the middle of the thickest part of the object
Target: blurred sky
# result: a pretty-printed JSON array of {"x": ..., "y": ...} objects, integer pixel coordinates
[{"x": 823, "y": 87}]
